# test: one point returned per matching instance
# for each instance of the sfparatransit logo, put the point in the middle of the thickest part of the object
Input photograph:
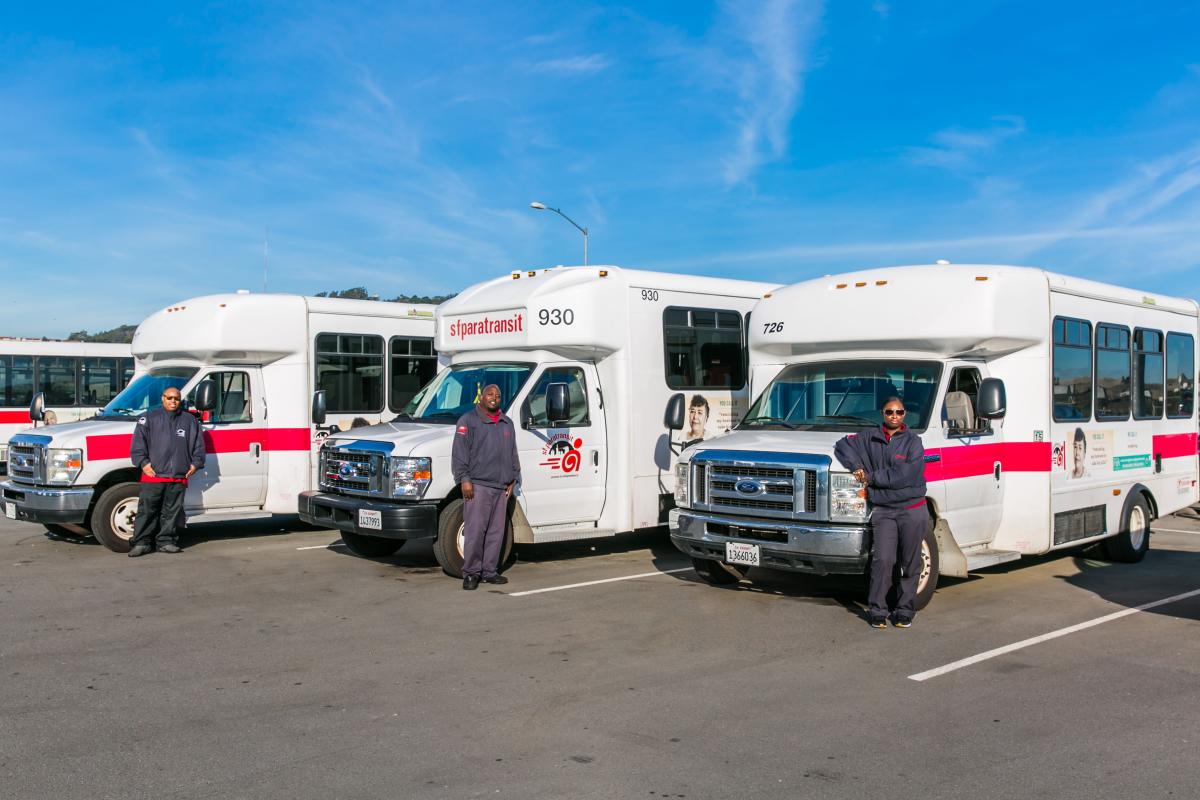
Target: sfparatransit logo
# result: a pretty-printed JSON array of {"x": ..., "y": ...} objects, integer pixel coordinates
[{"x": 562, "y": 454}]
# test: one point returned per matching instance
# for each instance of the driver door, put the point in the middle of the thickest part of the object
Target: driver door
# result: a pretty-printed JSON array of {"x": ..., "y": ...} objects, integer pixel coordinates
[
  {"x": 563, "y": 466},
  {"x": 235, "y": 440}
]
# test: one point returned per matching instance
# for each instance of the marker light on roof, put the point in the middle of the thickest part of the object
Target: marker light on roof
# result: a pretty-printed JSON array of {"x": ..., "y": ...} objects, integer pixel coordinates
[
  {"x": 981, "y": 277},
  {"x": 841, "y": 286},
  {"x": 516, "y": 275},
  {"x": 603, "y": 273},
  {"x": 881, "y": 283},
  {"x": 860, "y": 284}
]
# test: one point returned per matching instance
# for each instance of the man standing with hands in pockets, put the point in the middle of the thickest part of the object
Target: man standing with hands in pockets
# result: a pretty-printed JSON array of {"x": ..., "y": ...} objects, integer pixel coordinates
[
  {"x": 890, "y": 462},
  {"x": 168, "y": 447},
  {"x": 484, "y": 462}
]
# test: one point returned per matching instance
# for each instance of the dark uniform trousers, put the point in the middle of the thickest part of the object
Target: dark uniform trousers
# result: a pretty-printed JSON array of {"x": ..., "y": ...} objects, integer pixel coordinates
[
  {"x": 484, "y": 516},
  {"x": 896, "y": 531},
  {"x": 160, "y": 506}
]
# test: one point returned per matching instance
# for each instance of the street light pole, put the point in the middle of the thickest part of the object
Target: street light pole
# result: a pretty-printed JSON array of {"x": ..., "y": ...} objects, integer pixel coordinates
[{"x": 543, "y": 207}]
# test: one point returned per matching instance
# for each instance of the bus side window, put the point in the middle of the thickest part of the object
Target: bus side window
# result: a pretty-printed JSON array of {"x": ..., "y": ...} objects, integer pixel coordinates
[
  {"x": 962, "y": 396},
  {"x": 1181, "y": 375},
  {"x": 1147, "y": 374},
  {"x": 704, "y": 348}
]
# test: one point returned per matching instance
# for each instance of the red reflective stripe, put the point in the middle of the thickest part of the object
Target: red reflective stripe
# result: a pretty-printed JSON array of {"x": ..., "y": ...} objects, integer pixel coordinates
[
  {"x": 116, "y": 445},
  {"x": 969, "y": 461},
  {"x": 17, "y": 417},
  {"x": 1175, "y": 445}
]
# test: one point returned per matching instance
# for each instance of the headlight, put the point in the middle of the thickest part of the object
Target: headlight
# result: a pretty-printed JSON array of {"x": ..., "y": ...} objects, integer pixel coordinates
[
  {"x": 410, "y": 477},
  {"x": 63, "y": 465},
  {"x": 681, "y": 485},
  {"x": 847, "y": 498}
]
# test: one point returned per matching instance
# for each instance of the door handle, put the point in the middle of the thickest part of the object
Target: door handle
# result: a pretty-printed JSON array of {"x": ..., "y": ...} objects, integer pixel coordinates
[
  {"x": 1157, "y": 462},
  {"x": 595, "y": 458},
  {"x": 256, "y": 449},
  {"x": 996, "y": 470}
]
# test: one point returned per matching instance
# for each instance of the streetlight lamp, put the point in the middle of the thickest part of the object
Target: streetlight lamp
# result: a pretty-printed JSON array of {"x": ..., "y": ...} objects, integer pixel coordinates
[{"x": 543, "y": 207}]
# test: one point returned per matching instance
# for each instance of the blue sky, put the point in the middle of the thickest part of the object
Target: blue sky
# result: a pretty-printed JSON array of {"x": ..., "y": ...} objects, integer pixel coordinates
[{"x": 145, "y": 152}]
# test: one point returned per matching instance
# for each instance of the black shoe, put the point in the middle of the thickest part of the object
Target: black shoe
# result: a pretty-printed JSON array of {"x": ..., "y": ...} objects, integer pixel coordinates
[
  {"x": 497, "y": 579},
  {"x": 902, "y": 622},
  {"x": 877, "y": 622},
  {"x": 170, "y": 548},
  {"x": 470, "y": 582},
  {"x": 139, "y": 550}
]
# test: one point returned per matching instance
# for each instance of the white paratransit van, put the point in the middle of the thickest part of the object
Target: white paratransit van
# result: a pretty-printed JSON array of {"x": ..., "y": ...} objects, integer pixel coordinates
[
  {"x": 1054, "y": 412},
  {"x": 76, "y": 379},
  {"x": 248, "y": 365},
  {"x": 587, "y": 359}
]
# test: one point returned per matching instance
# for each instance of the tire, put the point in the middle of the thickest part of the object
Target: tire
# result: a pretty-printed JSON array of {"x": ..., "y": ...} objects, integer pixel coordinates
[
  {"x": 113, "y": 516},
  {"x": 1130, "y": 545},
  {"x": 370, "y": 546},
  {"x": 718, "y": 573},
  {"x": 448, "y": 547}
]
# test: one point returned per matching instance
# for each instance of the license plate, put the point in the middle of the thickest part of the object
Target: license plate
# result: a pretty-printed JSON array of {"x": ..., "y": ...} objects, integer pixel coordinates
[
  {"x": 745, "y": 555},
  {"x": 372, "y": 520},
  {"x": 10, "y": 510}
]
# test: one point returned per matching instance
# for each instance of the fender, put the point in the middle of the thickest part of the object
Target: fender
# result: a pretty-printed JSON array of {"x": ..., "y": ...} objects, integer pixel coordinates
[{"x": 1136, "y": 491}]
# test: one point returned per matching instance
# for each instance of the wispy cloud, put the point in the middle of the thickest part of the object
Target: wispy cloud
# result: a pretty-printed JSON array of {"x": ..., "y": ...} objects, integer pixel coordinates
[
  {"x": 961, "y": 148},
  {"x": 779, "y": 35},
  {"x": 576, "y": 64}
]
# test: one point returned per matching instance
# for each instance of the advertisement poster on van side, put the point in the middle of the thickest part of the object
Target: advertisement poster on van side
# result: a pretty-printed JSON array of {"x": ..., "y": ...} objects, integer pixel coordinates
[
  {"x": 707, "y": 416},
  {"x": 1134, "y": 452},
  {"x": 1099, "y": 451}
]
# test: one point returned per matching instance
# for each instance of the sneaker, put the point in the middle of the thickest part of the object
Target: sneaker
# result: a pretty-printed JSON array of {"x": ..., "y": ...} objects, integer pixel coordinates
[
  {"x": 902, "y": 622},
  {"x": 877, "y": 622},
  {"x": 139, "y": 550},
  {"x": 170, "y": 548},
  {"x": 497, "y": 579},
  {"x": 470, "y": 582}
]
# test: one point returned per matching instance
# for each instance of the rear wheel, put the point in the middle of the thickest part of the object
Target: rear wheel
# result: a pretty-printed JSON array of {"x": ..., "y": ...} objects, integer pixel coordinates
[
  {"x": 114, "y": 515},
  {"x": 719, "y": 573},
  {"x": 448, "y": 547},
  {"x": 370, "y": 546},
  {"x": 1130, "y": 545}
]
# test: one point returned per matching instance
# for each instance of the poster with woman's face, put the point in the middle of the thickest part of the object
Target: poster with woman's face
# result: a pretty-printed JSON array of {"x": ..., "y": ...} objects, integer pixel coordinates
[
  {"x": 1078, "y": 465},
  {"x": 705, "y": 417}
]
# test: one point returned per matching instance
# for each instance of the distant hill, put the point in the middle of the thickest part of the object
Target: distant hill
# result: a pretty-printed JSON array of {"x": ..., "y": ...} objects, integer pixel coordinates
[
  {"x": 122, "y": 334},
  {"x": 361, "y": 293}
]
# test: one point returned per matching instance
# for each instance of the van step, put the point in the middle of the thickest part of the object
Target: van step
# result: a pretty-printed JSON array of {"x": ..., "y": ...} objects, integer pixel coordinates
[{"x": 978, "y": 559}]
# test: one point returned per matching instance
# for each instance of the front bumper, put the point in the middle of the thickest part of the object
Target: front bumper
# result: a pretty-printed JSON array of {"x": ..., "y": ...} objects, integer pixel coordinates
[
  {"x": 820, "y": 549},
  {"x": 54, "y": 505},
  {"x": 399, "y": 520}
]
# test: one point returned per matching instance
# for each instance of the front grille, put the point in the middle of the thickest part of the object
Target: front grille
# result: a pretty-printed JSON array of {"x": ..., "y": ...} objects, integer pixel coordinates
[
  {"x": 795, "y": 488},
  {"x": 351, "y": 472},
  {"x": 26, "y": 463}
]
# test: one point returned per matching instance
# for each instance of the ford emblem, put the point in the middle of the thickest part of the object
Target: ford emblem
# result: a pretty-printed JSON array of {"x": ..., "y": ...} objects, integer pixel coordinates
[
  {"x": 747, "y": 486},
  {"x": 346, "y": 470}
]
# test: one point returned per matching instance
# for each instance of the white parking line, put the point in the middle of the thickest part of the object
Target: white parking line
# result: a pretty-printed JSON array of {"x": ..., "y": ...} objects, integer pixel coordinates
[
  {"x": 338, "y": 543},
  {"x": 596, "y": 583},
  {"x": 1172, "y": 530},
  {"x": 1045, "y": 637}
]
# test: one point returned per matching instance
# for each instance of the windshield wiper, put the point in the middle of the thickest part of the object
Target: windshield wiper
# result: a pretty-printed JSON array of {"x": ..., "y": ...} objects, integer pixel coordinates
[
  {"x": 847, "y": 418},
  {"x": 771, "y": 421}
]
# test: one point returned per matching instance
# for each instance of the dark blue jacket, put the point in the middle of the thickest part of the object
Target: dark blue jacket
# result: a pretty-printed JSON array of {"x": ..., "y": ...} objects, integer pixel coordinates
[
  {"x": 168, "y": 442},
  {"x": 485, "y": 452},
  {"x": 895, "y": 469}
]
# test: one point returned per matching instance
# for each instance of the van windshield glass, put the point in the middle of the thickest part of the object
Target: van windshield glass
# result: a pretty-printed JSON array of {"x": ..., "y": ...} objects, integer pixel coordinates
[
  {"x": 834, "y": 395},
  {"x": 455, "y": 391},
  {"x": 146, "y": 391}
]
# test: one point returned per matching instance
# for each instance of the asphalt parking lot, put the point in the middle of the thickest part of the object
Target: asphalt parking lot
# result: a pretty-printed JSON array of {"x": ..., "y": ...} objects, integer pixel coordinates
[{"x": 266, "y": 661}]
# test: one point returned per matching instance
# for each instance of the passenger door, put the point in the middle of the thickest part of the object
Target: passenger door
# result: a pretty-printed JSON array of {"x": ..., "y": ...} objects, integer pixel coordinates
[
  {"x": 235, "y": 441},
  {"x": 964, "y": 465},
  {"x": 563, "y": 467}
]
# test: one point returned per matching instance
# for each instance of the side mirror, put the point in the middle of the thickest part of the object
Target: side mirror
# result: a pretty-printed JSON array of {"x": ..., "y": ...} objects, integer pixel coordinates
[
  {"x": 673, "y": 416},
  {"x": 37, "y": 407},
  {"x": 206, "y": 396},
  {"x": 558, "y": 403},
  {"x": 526, "y": 415},
  {"x": 993, "y": 404},
  {"x": 318, "y": 407}
]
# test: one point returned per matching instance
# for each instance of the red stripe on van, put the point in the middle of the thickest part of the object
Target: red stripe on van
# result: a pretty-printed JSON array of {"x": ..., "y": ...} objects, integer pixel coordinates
[
  {"x": 116, "y": 445},
  {"x": 15, "y": 417},
  {"x": 1175, "y": 445},
  {"x": 972, "y": 460}
]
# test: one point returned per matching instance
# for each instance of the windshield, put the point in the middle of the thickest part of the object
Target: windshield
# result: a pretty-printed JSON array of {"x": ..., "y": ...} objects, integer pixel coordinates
[
  {"x": 146, "y": 391},
  {"x": 834, "y": 395},
  {"x": 455, "y": 391}
]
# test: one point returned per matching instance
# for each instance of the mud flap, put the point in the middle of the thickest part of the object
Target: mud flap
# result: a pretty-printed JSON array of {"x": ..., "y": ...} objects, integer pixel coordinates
[{"x": 952, "y": 562}]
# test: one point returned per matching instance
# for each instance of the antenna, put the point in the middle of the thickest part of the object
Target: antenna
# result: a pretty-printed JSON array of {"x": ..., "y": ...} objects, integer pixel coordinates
[{"x": 266, "y": 255}]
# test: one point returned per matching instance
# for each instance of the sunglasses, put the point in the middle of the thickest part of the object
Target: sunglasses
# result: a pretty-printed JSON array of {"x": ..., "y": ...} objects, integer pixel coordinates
[
  {"x": 170, "y": 399},
  {"x": 894, "y": 412}
]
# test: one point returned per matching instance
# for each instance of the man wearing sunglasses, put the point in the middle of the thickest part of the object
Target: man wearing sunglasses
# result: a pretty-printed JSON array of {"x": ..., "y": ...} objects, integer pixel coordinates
[
  {"x": 890, "y": 462},
  {"x": 168, "y": 447}
]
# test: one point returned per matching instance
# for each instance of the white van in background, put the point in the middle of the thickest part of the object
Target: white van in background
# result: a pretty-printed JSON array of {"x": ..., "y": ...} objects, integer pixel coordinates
[
  {"x": 260, "y": 357},
  {"x": 1054, "y": 412},
  {"x": 586, "y": 359},
  {"x": 77, "y": 379}
]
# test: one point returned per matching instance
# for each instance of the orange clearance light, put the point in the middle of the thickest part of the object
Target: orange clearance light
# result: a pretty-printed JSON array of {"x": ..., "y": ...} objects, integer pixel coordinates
[
  {"x": 1116, "y": 492},
  {"x": 860, "y": 284},
  {"x": 981, "y": 277},
  {"x": 881, "y": 283},
  {"x": 841, "y": 286},
  {"x": 516, "y": 275},
  {"x": 603, "y": 273},
  {"x": 765, "y": 296},
  {"x": 531, "y": 273}
]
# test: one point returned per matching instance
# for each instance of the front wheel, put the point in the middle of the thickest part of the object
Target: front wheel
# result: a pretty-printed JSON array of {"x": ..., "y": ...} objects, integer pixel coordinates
[
  {"x": 370, "y": 546},
  {"x": 719, "y": 573},
  {"x": 448, "y": 547},
  {"x": 927, "y": 582},
  {"x": 114, "y": 516},
  {"x": 1130, "y": 545}
]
